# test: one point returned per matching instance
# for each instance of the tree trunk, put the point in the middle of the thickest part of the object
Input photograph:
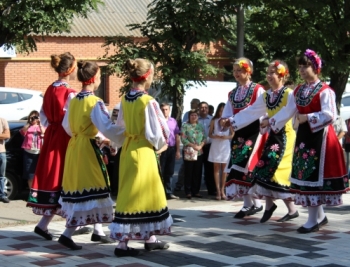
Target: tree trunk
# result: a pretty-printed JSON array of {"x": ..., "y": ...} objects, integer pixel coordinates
[
  {"x": 177, "y": 105},
  {"x": 338, "y": 83}
]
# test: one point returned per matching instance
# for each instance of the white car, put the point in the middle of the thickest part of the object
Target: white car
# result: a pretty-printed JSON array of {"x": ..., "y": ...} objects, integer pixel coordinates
[
  {"x": 345, "y": 106},
  {"x": 16, "y": 104}
]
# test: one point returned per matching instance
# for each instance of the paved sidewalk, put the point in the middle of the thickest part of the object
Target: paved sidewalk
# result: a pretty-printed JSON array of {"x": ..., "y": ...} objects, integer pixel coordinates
[{"x": 204, "y": 234}]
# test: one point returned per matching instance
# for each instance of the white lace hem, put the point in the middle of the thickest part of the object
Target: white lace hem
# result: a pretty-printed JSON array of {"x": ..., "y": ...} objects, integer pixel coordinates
[
  {"x": 123, "y": 232},
  {"x": 262, "y": 192},
  {"x": 46, "y": 211},
  {"x": 89, "y": 212},
  {"x": 316, "y": 200},
  {"x": 236, "y": 190}
]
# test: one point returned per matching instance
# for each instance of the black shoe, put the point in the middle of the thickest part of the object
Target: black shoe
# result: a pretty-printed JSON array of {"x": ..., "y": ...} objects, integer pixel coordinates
[
  {"x": 83, "y": 230},
  {"x": 129, "y": 252},
  {"x": 268, "y": 213},
  {"x": 102, "y": 239},
  {"x": 69, "y": 243},
  {"x": 156, "y": 245},
  {"x": 254, "y": 210},
  {"x": 171, "y": 196},
  {"x": 44, "y": 234},
  {"x": 198, "y": 196},
  {"x": 288, "y": 217},
  {"x": 242, "y": 213},
  {"x": 303, "y": 230},
  {"x": 4, "y": 199},
  {"x": 323, "y": 222}
]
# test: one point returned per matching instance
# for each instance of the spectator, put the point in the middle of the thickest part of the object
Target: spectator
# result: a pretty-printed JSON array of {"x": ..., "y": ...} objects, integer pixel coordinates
[
  {"x": 204, "y": 119},
  {"x": 347, "y": 143},
  {"x": 193, "y": 138},
  {"x": 167, "y": 158},
  {"x": 211, "y": 110},
  {"x": 340, "y": 128},
  {"x": 194, "y": 105},
  {"x": 33, "y": 133},
  {"x": 219, "y": 152},
  {"x": 181, "y": 174},
  {"x": 4, "y": 134}
]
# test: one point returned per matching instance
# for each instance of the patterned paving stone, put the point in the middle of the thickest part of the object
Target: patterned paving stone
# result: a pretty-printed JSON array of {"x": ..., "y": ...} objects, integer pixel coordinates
[
  {"x": 92, "y": 256},
  {"x": 46, "y": 263},
  {"x": 208, "y": 234},
  {"x": 27, "y": 238},
  {"x": 255, "y": 264},
  {"x": 12, "y": 252},
  {"x": 325, "y": 237},
  {"x": 210, "y": 216},
  {"x": 23, "y": 245},
  {"x": 282, "y": 241},
  {"x": 292, "y": 265},
  {"x": 55, "y": 255},
  {"x": 133, "y": 265},
  {"x": 231, "y": 250},
  {"x": 311, "y": 255},
  {"x": 93, "y": 264}
]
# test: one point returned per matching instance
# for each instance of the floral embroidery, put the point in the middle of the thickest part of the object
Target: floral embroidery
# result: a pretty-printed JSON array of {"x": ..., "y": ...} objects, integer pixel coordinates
[
  {"x": 267, "y": 166},
  {"x": 313, "y": 120},
  {"x": 303, "y": 101},
  {"x": 245, "y": 101},
  {"x": 241, "y": 150},
  {"x": 304, "y": 162}
]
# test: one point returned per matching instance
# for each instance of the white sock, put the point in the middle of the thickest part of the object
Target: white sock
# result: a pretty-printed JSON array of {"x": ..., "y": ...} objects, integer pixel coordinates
[
  {"x": 321, "y": 214},
  {"x": 69, "y": 232},
  {"x": 312, "y": 219},
  {"x": 122, "y": 245},
  {"x": 247, "y": 201},
  {"x": 152, "y": 239},
  {"x": 44, "y": 222},
  {"x": 98, "y": 229},
  {"x": 256, "y": 202}
]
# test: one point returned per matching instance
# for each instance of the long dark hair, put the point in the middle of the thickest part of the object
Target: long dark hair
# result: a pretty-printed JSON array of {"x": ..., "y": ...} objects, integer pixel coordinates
[{"x": 216, "y": 116}]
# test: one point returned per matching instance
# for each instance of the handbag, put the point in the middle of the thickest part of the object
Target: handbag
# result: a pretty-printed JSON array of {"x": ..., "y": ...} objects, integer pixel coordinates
[{"x": 190, "y": 154}]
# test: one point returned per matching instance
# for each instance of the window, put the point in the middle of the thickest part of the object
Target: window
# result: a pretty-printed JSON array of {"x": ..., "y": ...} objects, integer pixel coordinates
[
  {"x": 9, "y": 98},
  {"x": 101, "y": 90},
  {"x": 26, "y": 96},
  {"x": 345, "y": 101}
]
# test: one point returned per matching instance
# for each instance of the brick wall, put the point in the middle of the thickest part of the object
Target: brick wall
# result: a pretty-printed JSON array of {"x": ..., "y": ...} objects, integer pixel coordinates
[{"x": 33, "y": 71}]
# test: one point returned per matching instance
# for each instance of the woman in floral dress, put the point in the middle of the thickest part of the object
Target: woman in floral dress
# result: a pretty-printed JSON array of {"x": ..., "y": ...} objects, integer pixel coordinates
[
  {"x": 319, "y": 174},
  {"x": 193, "y": 138},
  {"x": 272, "y": 172},
  {"x": 247, "y": 143}
]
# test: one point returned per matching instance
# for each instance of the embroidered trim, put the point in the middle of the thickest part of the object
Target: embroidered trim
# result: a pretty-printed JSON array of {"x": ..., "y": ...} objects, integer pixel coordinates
[
  {"x": 278, "y": 100},
  {"x": 305, "y": 101},
  {"x": 82, "y": 95},
  {"x": 133, "y": 97},
  {"x": 245, "y": 101}
]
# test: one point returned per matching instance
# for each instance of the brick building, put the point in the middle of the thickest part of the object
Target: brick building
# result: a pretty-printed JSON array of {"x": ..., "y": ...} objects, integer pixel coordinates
[{"x": 84, "y": 41}]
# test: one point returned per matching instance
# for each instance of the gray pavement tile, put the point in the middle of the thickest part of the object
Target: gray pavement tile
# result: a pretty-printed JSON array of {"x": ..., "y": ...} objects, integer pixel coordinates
[
  {"x": 283, "y": 241},
  {"x": 251, "y": 264},
  {"x": 311, "y": 255}
]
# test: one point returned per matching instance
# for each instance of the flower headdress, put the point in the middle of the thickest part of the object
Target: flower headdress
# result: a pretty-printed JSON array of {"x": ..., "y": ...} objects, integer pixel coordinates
[
  {"x": 244, "y": 65},
  {"x": 281, "y": 69},
  {"x": 314, "y": 58}
]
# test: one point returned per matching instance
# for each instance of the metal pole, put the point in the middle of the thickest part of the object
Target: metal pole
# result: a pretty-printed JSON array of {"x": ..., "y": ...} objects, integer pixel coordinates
[{"x": 240, "y": 31}]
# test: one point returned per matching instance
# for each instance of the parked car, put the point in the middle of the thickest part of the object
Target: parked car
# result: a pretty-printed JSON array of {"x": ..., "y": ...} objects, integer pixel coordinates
[
  {"x": 14, "y": 183},
  {"x": 345, "y": 106},
  {"x": 15, "y": 104}
]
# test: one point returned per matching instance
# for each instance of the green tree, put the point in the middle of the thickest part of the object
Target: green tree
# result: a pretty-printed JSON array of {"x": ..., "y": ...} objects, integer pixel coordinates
[
  {"x": 172, "y": 29},
  {"x": 22, "y": 20},
  {"x": 285, "y": 28}
]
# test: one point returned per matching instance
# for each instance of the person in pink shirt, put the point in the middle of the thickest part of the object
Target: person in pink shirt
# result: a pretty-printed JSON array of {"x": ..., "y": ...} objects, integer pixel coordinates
[{"x": 33, "y": 133}]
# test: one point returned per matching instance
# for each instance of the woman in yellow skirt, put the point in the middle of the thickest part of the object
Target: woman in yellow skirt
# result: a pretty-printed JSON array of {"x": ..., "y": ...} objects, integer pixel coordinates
[
  {"x": 141, "y": 209},
  {"x": 272, "y": 172},
  {"x": 85, "y": 197}
]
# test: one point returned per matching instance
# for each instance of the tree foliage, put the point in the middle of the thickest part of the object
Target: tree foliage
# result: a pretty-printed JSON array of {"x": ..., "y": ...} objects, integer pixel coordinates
[
  {"x": 284, "y": 29},
  {"x": 172, "y": 29},
  {"x": 22, "y": 19}
]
